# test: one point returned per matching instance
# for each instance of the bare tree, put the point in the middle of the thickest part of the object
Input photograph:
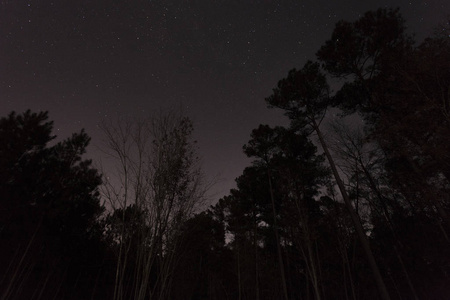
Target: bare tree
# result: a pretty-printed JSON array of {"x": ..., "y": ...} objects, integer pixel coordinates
[
  {"x": 156, "y": 187},
  {"x": 360, "y": 157}
]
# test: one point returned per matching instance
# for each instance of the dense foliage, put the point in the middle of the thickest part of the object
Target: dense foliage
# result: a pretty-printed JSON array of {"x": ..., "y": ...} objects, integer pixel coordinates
[{"x": 50, "y": 235}]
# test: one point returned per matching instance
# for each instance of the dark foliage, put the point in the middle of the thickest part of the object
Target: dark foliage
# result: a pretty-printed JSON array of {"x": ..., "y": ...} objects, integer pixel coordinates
[{"x": 49, "y": 207}]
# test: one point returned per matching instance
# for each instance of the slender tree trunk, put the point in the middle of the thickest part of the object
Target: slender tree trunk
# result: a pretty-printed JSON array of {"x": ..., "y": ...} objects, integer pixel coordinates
[
  {"x": 310, "y": 258},
  {"x": 280, "y": 257},
  {"x": 311, "y": 269},
  {"x": 381, "y": 198},
  {"x": 308, "y": 254},
  {"x": 356, "y": 222},
  {"x": 239, "y": 274},
  {"x": 19, "y": 269},
  {"x": 255, "y": 244},
  {"x": 41, "y": 292}
]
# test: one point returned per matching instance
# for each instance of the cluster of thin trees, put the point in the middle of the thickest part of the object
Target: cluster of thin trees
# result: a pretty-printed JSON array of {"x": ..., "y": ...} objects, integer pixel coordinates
[
  {"x": 327, "y": 210},
  {"x": 156, "y": 189}
]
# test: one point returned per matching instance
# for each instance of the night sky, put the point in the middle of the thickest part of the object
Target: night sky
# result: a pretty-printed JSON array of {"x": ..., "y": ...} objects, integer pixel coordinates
[{"x": 217, "y": 60}]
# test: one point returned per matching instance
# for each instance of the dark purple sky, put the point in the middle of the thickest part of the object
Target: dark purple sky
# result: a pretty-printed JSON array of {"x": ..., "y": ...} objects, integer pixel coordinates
[{"x": 216, "y": 59}]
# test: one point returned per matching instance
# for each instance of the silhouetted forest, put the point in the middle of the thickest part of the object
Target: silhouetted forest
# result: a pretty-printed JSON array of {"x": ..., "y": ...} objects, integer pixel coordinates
[{"x": 327, "y": 210}]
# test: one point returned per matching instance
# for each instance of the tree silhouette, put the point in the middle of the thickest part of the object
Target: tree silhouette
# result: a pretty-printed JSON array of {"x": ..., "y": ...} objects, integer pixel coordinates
[
  {"x": 49, "y": 205},
  {"x": 304, "y": 97},
  {"x": 160, "y": 178}
]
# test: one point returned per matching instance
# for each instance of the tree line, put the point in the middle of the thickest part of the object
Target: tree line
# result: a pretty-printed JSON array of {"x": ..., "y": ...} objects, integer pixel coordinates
[{"x": 326, "y": 210}]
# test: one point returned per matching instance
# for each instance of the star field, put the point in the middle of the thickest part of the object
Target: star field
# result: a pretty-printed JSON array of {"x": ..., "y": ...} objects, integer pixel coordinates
[{"x": 85, "y": 61}]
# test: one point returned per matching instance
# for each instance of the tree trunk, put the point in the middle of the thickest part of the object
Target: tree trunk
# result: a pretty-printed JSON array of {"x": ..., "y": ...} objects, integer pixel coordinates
[
  {"x": 356, "y": 222},
  {"x": 280, "y": 258},
  {"x": 381, "y": 198},
  {"x": 255, "y": 244}
]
